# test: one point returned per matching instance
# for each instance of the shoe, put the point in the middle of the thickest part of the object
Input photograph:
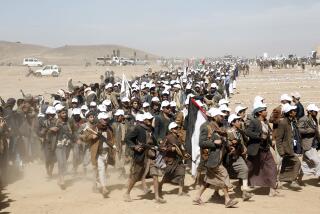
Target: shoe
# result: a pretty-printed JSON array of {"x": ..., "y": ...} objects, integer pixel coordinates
[
  {"x": 246, "y": 196},
  {"x": 105, "y": 192},
  {"x": 127, "y": 198},
  {"x": 231, "y": 203},
  {"x": 160, "y": 201},
  {"x": 216, "y": 197},
  {"x": 197, "y": 201},
  {"x": 274, "y": 193},
  {"x": 294, "y": 186}
]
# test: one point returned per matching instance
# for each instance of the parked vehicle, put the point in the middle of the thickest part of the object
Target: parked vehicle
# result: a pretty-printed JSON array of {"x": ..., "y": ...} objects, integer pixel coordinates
[
  {"x": 32, "y": 62},
  {"x": 49, "y": 70}
]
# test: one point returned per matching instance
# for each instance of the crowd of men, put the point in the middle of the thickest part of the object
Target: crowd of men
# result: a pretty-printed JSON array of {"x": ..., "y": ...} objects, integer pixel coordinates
[{"x": 142, "y": 123}]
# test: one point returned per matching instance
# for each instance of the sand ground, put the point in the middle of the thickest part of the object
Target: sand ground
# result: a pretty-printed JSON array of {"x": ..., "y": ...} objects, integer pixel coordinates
[{"x": 34, "y": 193}]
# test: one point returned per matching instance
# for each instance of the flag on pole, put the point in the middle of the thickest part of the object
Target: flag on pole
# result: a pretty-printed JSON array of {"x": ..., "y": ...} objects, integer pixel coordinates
[
  {"x": 196, "y": 117},
  {"x": 125, "y": 87}
]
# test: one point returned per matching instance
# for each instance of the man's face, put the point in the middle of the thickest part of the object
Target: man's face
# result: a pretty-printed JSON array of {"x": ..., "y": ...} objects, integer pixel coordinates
[
  {"x": 174, "y": 130},
  {"x": 148, "y": 122},
  {"x": 242, "y": 114},
  {"x": 213, "y": 90},
  {"x": 314, "y": 114},
  {"x": 135, "y": 105},
  {"x": 103, "y": 122},
  {"x": 120, "y": 118},
  {"x": 164, "y": 97},
  {"x": 166, "y": 109},
  {"x": 77, "y": 117},
  {"x": 218, "y": 119},
  {"x": 74, "y": 105},
  {"x": 226, "y": 113},
  {"x": 51, "y": 116},
  {"x": 91, "y": 119},
  {"x": 264, "y": 114},
  {"x": 237, "y": 124},
  {"x": 63, "y": 114},
  {"x": 173, "y": 109},
  {"x": 293, "y": 113}
]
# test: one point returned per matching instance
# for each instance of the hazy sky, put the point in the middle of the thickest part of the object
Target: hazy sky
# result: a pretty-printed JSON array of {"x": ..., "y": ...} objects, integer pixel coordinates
[{"x": 168, "y": 27}]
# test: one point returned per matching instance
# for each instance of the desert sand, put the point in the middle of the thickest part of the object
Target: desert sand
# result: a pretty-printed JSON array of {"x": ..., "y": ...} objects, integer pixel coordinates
[{"x": 34, "y": 193}]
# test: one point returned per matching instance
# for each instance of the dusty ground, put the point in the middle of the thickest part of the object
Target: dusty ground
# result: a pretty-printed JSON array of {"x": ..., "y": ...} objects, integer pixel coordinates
[
  {"x": 35, "y": 194},
  {"x": 13, "y": 78}
]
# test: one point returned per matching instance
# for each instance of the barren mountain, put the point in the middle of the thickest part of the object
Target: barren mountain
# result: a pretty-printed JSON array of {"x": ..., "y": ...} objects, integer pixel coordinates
[{"x": 11, "y": 52}]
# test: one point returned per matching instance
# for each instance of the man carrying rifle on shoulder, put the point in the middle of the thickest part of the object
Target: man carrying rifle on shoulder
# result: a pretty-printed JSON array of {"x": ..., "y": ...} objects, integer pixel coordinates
[
  {"x": 144, "y": 146},
  {"x": 102, "y": 147}
]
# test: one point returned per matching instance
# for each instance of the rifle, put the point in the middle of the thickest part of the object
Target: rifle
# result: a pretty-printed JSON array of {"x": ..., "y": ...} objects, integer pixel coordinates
[
  {"x": 182, "y": 152},
  {"x": 101, "y": 137}
]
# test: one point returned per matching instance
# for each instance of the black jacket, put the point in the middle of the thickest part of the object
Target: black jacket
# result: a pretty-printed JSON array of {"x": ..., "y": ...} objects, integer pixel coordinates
[
  {"x": 138, "y": 136},
  {"x": 215, "y": 151},
  {"x": 256, "y": 142}
]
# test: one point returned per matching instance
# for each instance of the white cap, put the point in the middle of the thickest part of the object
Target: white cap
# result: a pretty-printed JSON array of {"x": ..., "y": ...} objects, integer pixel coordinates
[
  {"x": 165, "y": 92},
  {"x": 232, "y": 117},
  {"x": 59, "y": 107},
  {"x": 239, "y": 108},
  {"x": 56, "y": 102},
  {"x": 102, "y": 108},
  {"x": 312, "y": 107},
  {"x": 76, "y": 111},
  {"x": 258, "y": 99},
  {"x": 125, "y": 99},
  {"x": 119, "y": 112},
  {"x": 218, "y": 78},
  {"x": 285, "y": 97},
  {"x": 109, "y": 85},
  {"x": 214, "y": 85},
  {"x": 287, "y": 107},
  {"x": 147, "y": 116},
  {"x": 165, "y": 104},
  {"x": 173, "y": 104},
  {"x": 155, "y": 99},
  {"x": 139, "y": 117},
  {"x": 87, "y": 89},
  {"x": 224, "y": 108},
  {"x": 214, "y": 112},
  {"x": 61, "y": 93},
  {"x": 188, "y": 86},
  {"x": 259, "y": 105},
  {"x": 172, "y": 125},
  {"x": 106, "y": 102},
  {"x": 296, "y": 95},
  {"x": 84, "y": 107},
  {"x": 145, "y": 104},
  {"x": 74, "y": 100},
  {"x": 223, "y": 102},
  {"x": 93, "y": 103},
  {"x": 51, "y": 110},
  {"x": 177, "y": 86},
  {"x": 103, "y": 115}
]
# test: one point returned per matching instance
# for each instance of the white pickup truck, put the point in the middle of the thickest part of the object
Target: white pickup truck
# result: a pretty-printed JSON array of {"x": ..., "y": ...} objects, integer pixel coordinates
[
  {"x": 32, "y": 62},
  {"x": 48, "y": 70}
]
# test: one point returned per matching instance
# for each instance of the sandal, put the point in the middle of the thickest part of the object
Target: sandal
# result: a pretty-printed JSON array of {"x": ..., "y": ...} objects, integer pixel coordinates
[
  {"x": 231, "y": 203},
  {"x": 198, "y": 201}
]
